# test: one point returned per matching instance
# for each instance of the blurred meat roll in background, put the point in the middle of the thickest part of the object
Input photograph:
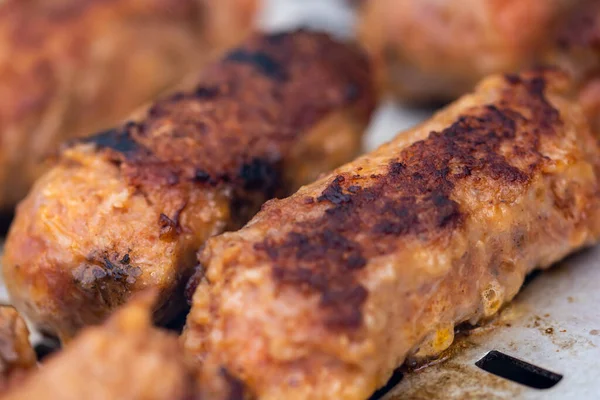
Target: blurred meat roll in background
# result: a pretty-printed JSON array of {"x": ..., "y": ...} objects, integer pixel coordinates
[
  {"x": 432, "y": 51},
  {"x": 71, "y": 67},
  {"x": 128, "y": 208}
]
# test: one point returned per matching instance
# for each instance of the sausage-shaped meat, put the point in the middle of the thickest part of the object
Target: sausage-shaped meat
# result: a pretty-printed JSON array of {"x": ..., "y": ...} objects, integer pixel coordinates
[
  {"x": 125, "y": 358},
  {"x": 323, "y": 294},
  {"x": 69, "y": 68},
  {"x": 17, "y": 357},
  {"x": 430, "y": 50},
  {"x": 129, "y": 207}
]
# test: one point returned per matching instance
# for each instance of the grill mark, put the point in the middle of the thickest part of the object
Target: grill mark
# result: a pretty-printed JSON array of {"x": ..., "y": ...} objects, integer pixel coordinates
[
  {"x": 205, "y": 92},
  {"x": 201, "y": 176},
  {"x": 260, "y": 175},
  {"x": 334, "y": 193},
  {"x": 259, "y": 60},
  {"x": 235, "y": 128},
  {"x": 117, "y": 139},
  {"x": 277, "y": 38},
  {"x": 324, "y": 256}
]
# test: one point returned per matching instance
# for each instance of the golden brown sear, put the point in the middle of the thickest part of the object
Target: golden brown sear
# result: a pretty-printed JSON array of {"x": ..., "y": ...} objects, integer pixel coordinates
[
  {"x": 16, "y": 354},
  {"x": 128, "y": 208},
  {"x": 126, "y": 358},
  {"x": 430, "y": 50},
  {"x": 71, "y": 67},
  {"x": 323, "y": 294}
]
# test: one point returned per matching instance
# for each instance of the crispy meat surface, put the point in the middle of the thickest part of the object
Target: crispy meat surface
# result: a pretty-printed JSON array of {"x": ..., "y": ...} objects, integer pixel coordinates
[
  {"x": 429, "y": 50},
  {"x": 125, "y": 358},
  {"x": 128, "y": 208},
  {"x": 16, "y": 354},
  {"x": 323, "y": 294},
  {"x": 69, "y": 68}
]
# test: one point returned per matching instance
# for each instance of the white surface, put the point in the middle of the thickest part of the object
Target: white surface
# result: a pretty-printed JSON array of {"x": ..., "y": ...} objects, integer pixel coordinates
[{"x": 330, "y": 15}]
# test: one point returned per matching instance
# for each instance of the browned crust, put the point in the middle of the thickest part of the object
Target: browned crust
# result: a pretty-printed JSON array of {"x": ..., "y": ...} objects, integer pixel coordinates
[
  {"x": 497, "y": 142},
  {"x": 220, "y": 132}
]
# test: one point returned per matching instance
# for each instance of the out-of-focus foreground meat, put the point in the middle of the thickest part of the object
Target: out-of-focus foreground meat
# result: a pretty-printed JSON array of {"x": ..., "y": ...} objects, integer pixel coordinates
[
  {"x": 125, "y": 358},
  {"x": 128, "y": 208},
  {"x": 69, "y": 68},
  {"x": 323, "y": 294},
  {"x": 429, "y": 50},
  {"x": 16, "y": 354}
]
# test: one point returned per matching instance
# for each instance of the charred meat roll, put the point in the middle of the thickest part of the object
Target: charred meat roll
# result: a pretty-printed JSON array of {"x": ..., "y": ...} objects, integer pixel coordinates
[
  {"x": 125, "y": 358},
  {"x": 128, "y": 208},
  {"x": 430, "y": 50},
  {"x": 69, "y": 68},
  {"x": 323, "y": 294}
]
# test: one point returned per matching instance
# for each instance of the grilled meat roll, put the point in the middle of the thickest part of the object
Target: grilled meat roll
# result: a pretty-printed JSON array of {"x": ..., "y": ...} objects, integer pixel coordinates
[
  {"x": 430, "y": 50},
  {"x": 128, "y": 208},
  {"x": 69, "y": 68},
  {"x": 323, "y": 294},
  {"x": 16, "y": 354},
  {"x": 125, "y": 358}
]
